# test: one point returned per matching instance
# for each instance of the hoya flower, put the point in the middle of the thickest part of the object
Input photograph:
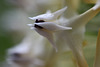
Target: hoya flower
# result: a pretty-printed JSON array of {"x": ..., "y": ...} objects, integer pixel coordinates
[
  {"x": 45, "y": 26},
  {"x": 74, "y": 37}
]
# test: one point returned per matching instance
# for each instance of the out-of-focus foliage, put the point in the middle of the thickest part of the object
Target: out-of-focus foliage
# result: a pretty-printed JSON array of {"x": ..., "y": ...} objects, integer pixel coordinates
[{"x": 90, "y": 1}]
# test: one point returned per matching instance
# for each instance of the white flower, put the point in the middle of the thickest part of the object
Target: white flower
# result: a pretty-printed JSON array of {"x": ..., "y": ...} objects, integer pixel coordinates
[
  {"x": 25, "y": 54},
  {"x": 72, "y": 38},
  {"x": 45, "y": 26}
]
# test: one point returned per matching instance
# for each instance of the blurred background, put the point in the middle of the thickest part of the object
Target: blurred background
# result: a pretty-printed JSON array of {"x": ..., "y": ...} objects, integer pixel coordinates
[{"x": 15, "y": 11}]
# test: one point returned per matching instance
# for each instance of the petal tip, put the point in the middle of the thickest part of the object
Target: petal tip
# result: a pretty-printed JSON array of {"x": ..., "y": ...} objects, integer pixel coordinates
[
  {"x": 32, "y": 28},
  {"x": 31, "y": 18},
  {"x": 97, "y": 5},
  {"x": 30, "y": 25}
]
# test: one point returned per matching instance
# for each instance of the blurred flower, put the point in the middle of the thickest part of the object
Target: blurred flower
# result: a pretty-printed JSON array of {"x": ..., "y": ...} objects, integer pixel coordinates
[{"x": 24, "y": 53}]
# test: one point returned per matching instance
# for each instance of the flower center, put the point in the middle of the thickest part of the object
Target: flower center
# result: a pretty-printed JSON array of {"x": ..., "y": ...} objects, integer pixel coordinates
[
  {"x": 39, "y": 21},
  {"x": 37, "y": 26}
]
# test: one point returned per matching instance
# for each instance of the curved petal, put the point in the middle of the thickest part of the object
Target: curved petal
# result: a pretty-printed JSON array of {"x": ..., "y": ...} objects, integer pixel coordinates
[
  {"x": 30, "y": 25},
  {"x": 59, "y": 12},
  {"x": 49, "y": 16},
  {"x": 32, "y": 18},
  {"x": 52, "y": 26},
  {"x": 48, "y": 35},
  {"x": 97, "y": 5}
]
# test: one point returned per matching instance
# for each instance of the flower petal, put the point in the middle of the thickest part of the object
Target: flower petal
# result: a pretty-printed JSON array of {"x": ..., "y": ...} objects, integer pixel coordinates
[
  {"x": 32, "y": 28},
  {"x": 52, "y": 26},
  {"x": 59, "y": 12},
  {"x": 32, "y": 18},
  {"x": 97, "y": 5},
  {"x": 83, "y": 18},
  {"x": 48, "y": 35},
  {"x": 30, "y": 25},
  {"x": 48, "y": 16}
]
